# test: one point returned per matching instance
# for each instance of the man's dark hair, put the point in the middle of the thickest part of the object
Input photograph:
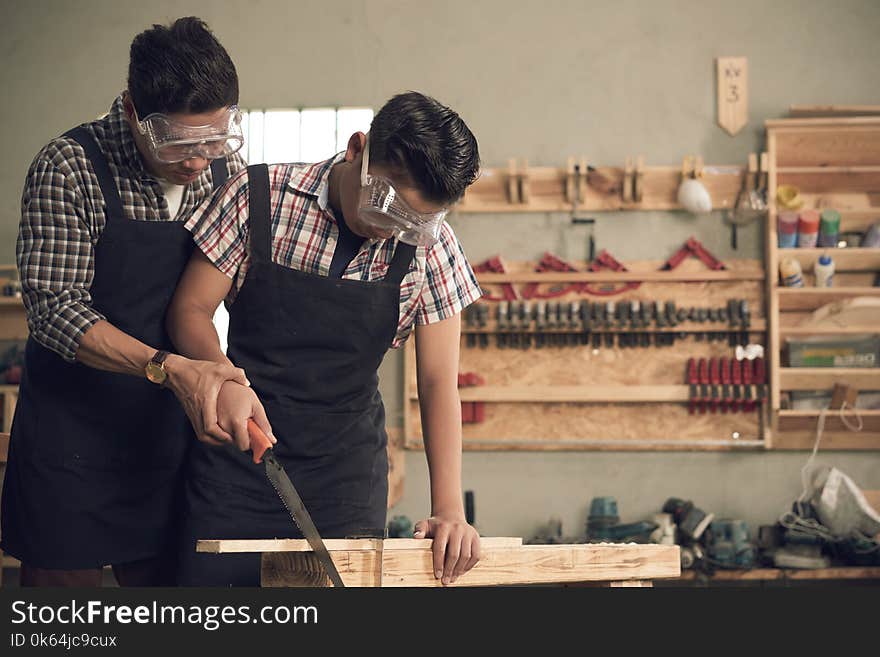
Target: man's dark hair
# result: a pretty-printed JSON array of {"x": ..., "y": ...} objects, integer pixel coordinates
[
  {"x": 180, "y": 69},
  {"x": 426, "y": 143}
]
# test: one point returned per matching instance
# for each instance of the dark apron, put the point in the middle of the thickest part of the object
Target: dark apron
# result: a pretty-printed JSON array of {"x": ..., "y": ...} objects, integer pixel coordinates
[
  {"x": 96, "y": 458},
  {"x": 311, "y": 347}
]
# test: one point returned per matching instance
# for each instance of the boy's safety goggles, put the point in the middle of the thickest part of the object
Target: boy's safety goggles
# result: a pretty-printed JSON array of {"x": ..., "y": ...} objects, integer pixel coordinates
[
  {"x": 171, "y": 141},
  {"x": 380, "y": 206}
]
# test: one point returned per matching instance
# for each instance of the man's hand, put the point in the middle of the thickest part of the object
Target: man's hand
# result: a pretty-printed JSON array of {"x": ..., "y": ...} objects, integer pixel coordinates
[
  {"x": 456, "y": 545},
  {"x": 196, "y": 384},
  {"x": 235, "y": 405}
]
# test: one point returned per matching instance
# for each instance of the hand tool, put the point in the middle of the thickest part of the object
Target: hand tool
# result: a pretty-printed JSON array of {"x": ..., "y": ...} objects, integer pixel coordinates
[
  {"x": 748, "y": 397},
  {"x": 692, "y": 381},
  {"x": 736, "y": 378},
  {"x": 715, "y": 381},
  {"x": 726, "y": 395},
  {"x": 596, "y": 310},
  {"x": 703, "y": 374},
  {"x": 759, "y": 376},
  {"x": 540, "y": 323},
  {"x": 525, "y": 324},
  {"x": 586, "y": 322},
  {"x": 482, "y": 323},
  {"x": 693, "y": 247},
  {"x": 746, "y": 317},
  {"x": 607, "y": 319},
  {"x": 559, "y": 309},
  {"x": 501, "y": 325},
  {"x": 261, "y": 447},
  {"x": 513, "y": 324},
  {"x": 573, "y": 311},
  {"x": 470, "y": 322},
  {"x": 733, "y": 320}
]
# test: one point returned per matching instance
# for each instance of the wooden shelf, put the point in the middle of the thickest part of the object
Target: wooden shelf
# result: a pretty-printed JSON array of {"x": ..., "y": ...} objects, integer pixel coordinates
[
  {"x": 12, "y": 301},
  {"x": 797, "y": 420},
  {"x": 829, "y": 169},
  {"x": 590, "y": 394},
  {"x": 824, "y": 378},
  {"x": 848, "y": 259},
  {"x": 787, "y": 331},
  {"x": 756, "y": 326},
  {"x": 806, "y": 298},
  {"x": 673, "y": 276}
]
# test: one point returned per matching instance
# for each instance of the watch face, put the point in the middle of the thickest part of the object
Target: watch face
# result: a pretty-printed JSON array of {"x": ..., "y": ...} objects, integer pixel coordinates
[{"x": 156, "y": 373}]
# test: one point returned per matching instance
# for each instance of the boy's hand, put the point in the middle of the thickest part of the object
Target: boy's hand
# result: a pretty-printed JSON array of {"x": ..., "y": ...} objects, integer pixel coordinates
[
  {"x": 456, "y": 545},
  {"x": 235, "y": 404}
]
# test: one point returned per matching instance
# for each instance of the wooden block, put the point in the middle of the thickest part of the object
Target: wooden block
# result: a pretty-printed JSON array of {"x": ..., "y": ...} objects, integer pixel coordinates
[
  {"x": 527, "y": 564},
  {"x": 230, "y": 546},
  {"x": 4, "y": 447}
]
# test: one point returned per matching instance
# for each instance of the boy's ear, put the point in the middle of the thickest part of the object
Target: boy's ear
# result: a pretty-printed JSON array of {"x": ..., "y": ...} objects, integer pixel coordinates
[{"x": 356, "y": 144}]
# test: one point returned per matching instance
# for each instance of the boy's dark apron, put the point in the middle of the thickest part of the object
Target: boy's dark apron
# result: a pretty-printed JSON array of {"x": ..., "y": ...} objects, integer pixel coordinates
[
  {"x": 311, "y": 347},
  {"x": 96, "y": 458}
]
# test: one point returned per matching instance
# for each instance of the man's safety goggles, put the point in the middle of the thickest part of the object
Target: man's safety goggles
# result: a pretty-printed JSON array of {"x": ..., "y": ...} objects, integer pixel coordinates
[
  {"x": 381, "y": 206},
  {"x": 171, "y": 141}
]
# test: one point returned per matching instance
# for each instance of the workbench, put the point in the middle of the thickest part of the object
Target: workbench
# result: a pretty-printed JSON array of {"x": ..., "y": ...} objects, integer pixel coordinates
[{"x": 405, "y": 562}]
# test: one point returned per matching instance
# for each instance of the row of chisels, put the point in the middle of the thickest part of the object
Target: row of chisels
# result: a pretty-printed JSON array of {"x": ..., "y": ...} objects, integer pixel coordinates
[
  {"x": 523, "y": 324},
  {"x": 725, "y": 384}
]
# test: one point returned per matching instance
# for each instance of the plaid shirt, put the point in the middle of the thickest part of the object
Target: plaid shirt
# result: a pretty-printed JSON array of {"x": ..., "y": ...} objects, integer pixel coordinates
[
  {"x": 62, "y": 219},
  {"x": 439, "y": 283}
]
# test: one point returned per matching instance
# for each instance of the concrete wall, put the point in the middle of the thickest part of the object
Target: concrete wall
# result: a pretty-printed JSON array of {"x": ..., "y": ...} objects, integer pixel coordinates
[{"x": 537, "y": 80}]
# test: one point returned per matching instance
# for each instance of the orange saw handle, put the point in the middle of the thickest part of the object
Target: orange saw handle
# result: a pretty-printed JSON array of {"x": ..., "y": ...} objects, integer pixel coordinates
[{"x": 259, "y": 440}]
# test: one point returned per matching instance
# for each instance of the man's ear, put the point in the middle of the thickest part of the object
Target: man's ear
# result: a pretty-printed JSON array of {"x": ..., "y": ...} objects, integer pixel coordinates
[
  {"x": 356, "y": 144},
  {"x": 128, "y": 106}
]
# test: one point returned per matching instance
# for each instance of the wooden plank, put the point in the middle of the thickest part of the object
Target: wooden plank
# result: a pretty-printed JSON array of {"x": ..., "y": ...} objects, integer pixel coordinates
[
  {"x": 4, "y": 447},
  {"x": 229, "y": 546},
  {"x": 599, "y": 393},
  {"x": 806, "y": 298},
  {"x": 848, "y": 259},
  {"x": 822, "y": 378},
  {"x": 732, "y": 84},
  {"x": 527, "y": 564},
  {"x": 855, "y": 123},
  {"x": 811, "y": 148},
  {"x": 823, "y": 182},
  {"x": 10, "y": 399}
]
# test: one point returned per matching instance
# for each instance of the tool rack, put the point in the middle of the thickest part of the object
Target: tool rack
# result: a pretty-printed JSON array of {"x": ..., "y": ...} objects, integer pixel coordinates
[
  {"x": 834, "y": 163},
  {"x": 570, "y": 394}
]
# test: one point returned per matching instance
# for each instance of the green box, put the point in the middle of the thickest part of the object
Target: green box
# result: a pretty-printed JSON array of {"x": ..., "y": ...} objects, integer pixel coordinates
[{"x": 835, "y": 351}]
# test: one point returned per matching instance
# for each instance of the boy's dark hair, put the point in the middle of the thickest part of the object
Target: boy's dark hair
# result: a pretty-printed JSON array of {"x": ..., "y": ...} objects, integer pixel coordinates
[
  {"x": 180, "y": 69},
  {"x": 426, "y": 143}
]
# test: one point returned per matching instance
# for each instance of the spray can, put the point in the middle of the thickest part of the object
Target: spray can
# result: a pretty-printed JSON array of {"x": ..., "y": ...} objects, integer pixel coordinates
[
  {"x": 824, "y": 270},
  {"x": 787, "y": 229},
  {"x": 829, "y": 228},
  {"x": 808, "y": 228},
  {"x": 790, "y": 270}
]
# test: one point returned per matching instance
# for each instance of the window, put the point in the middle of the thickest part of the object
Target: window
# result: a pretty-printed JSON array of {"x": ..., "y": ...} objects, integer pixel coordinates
[
  {"x": 289, "y": 135},
  {"x": 305, "y": 135}
]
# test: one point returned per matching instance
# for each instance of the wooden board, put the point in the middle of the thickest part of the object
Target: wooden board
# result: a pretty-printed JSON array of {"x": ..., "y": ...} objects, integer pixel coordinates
[
  {"x": 4, "y": 447},
  {"x": 232, "y": 546},
  {"x": 498, "y": 566}
]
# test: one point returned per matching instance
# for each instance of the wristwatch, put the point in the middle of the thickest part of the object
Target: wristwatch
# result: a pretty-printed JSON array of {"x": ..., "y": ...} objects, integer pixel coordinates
[{"x": 155, "y": 369}]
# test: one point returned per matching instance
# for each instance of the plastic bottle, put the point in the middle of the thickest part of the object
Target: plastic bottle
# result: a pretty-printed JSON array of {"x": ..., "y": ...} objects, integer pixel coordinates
[
  {"x": 824, "y": 270},
  {"x": 829, "y": 228},
  {"x": 786, "y": 229},
  {"x": 790, "y": 269},
  {"x": 808, "y": 229}
]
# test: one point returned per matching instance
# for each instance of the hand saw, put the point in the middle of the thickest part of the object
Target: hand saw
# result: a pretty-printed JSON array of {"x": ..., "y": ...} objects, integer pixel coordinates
[{"x": 262, "y": 451}]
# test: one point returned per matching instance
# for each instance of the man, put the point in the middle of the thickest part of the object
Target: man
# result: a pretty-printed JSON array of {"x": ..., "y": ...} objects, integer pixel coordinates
[
  {"x": 98, "y": 438},
  {"x": 324, "y": 267}
]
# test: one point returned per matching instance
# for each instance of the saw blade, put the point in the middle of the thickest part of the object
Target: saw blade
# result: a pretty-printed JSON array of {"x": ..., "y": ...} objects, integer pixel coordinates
[{"x": 294, "y": 504}]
